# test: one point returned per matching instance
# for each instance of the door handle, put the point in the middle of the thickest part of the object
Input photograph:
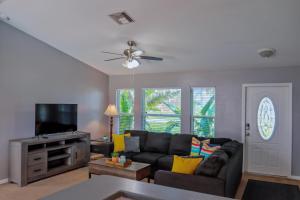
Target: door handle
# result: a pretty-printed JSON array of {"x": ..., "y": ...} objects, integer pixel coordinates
[{"x": 247, "y": 134}]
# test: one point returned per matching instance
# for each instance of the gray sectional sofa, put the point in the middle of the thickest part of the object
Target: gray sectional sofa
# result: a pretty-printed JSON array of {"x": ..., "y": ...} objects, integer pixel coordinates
[{"x": 217, "y": 176}]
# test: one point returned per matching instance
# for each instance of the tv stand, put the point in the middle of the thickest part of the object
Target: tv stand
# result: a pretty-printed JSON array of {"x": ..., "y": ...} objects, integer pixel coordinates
[{"x": 32, "y": 159}]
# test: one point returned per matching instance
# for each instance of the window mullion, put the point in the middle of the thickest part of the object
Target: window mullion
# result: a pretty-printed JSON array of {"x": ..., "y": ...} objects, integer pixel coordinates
[
  {"x": 163, "y": 115},
  {"x": 202, "y": 116}
]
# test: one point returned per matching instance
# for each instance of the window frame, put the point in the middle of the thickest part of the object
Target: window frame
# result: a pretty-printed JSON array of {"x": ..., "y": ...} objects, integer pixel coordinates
[
  {"x": 118, "y": 108},
  {"x": 144, "y": 114},
  {"x": 193, "y": 117}
]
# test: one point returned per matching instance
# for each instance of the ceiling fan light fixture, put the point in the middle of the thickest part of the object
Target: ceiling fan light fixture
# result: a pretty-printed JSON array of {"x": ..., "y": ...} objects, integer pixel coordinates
[
  {"x": 266, "y": 52},
  {"x": 132, "y": 56},
  {"x": 131, "y": 64}
]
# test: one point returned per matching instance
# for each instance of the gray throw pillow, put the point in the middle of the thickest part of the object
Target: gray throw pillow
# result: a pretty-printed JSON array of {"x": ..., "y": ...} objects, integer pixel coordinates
[
  {"x": 213, "y": 164},
  {"x": 132, "y": 144}
]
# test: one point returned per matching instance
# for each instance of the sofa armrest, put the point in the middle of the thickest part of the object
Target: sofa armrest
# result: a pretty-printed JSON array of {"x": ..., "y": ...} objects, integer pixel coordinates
[
  {"x": 234, "y": 173},
  {"x": 196, "y": 183}
]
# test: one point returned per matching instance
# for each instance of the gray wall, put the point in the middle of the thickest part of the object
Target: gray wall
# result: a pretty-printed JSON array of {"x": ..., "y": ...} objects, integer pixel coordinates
[
  {"x": 33, "y": 72},
  {"x": 228, "y": 96}
]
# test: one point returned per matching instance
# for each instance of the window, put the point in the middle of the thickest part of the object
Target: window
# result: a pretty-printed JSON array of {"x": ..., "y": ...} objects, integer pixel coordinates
[
  {"x": 266, "y": 118},
  {"x": 125, "y": 105},
  {"x": 162, "y": 110},
  {"x": 203, "y": 111}
]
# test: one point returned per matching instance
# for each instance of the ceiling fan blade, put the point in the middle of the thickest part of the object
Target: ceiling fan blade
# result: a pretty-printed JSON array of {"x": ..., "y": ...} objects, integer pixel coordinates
[
  {"x": 137, "y": 53},
  {"x": 114, "y": 59},
  {"x": 150, "y": 58},
  {"x": 119, "y": 54}
]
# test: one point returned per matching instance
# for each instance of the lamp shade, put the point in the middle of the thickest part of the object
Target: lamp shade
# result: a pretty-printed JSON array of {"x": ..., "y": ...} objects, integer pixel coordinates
[{"x": 111, "y": 110}]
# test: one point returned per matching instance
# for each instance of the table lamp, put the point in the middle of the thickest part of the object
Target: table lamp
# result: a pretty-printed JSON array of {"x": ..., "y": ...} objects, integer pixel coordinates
[{"x": 111, "y": 111}]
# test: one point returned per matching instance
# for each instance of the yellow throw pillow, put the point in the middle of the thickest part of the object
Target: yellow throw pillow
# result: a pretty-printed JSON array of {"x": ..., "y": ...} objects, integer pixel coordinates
[
  {"x": 185, "y": 165},
  {"x": 119, "y": 142}
]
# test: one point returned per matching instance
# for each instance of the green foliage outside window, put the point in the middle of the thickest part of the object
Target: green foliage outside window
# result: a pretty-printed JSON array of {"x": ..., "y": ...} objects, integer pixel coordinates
[
  {"x": 204, "y": 112},
  {"x": 126, "y": 109},
  {"x": 162, "y": 110}
]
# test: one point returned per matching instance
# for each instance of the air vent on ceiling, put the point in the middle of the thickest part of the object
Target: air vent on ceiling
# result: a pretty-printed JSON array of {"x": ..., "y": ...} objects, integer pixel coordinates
[{"x": 121, "y": 18}]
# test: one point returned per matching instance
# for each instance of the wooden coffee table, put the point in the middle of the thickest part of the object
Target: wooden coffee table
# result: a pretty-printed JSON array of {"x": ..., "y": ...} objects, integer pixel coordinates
[{"x": 136, "y": 171}]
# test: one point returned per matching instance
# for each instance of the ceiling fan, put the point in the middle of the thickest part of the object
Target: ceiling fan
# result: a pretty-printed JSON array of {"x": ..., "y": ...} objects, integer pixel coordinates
[{"x": 132, "y": 56}]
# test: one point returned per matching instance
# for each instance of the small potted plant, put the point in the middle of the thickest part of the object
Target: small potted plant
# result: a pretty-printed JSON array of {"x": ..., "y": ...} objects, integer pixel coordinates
[{"x": 115, "y": 157}]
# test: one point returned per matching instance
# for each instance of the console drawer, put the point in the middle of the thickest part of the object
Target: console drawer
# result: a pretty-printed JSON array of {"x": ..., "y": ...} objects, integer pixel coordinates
[
  {"x": 36, "y": 158},
  {"x": 36, "y": 170}
]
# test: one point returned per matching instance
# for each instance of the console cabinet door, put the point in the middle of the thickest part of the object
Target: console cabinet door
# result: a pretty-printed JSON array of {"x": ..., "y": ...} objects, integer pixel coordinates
[{"x": 81, "y": 153}]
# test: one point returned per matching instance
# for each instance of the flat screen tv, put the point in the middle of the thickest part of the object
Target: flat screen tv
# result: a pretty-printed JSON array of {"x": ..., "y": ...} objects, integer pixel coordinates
[{"x": 55, "y": 118}]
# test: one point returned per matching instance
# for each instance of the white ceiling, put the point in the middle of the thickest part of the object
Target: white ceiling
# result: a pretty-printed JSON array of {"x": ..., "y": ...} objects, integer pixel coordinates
[{"x": 188, "y": 34}]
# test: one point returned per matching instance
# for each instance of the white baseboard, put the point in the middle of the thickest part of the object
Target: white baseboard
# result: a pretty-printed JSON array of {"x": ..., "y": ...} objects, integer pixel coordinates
[{"x": 4, "y": 181}]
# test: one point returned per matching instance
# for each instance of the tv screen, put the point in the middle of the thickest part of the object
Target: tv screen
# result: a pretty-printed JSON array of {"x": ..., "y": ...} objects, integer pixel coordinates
[{"x": 55, "y": 118}]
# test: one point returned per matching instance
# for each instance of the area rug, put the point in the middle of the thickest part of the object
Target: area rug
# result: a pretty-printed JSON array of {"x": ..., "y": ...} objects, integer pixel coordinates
[{"x": 261, "y": 190}]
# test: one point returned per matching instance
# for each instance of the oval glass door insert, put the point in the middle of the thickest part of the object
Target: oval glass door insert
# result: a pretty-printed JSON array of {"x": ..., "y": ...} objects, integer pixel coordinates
[{"x": 266, "y": 118}]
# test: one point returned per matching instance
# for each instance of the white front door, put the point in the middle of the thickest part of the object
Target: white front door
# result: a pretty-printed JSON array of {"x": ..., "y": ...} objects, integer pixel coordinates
[{"x": 268, "y": 129}]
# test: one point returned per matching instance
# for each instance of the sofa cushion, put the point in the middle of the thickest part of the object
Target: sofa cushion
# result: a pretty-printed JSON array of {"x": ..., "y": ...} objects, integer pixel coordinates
[
  {"x": 209, "y": 167},
  {"x": 158, "y": 142},
  {"x": 180, "y": 144},
  {"x": 129, "y": 155},
  {"x": 165, "y": 163},
  {"x": 147, "y": 157},
  {"x": 219, "y": 141},
  {"x": 141, "y": 134},
  {"x": 231, "y": 147}
]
